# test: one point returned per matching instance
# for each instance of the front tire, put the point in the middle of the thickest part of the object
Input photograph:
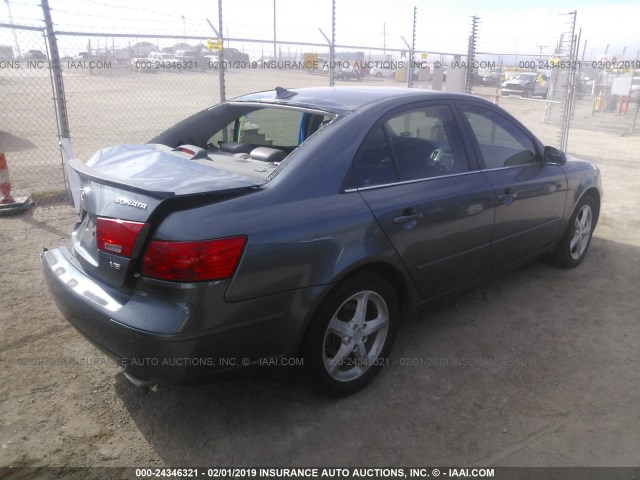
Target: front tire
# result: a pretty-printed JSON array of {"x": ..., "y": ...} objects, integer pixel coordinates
[
  {"x": 575, "y": 242},
  {"x": 351, "y": 334}
]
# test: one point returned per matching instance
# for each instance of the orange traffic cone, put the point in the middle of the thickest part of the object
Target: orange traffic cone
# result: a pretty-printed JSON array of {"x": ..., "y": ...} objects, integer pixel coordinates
[{"x": 5, "y": 181}]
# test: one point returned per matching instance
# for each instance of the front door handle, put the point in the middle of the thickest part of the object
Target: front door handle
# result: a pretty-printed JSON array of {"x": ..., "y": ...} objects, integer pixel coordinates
[{"x": 407, "y": 218}]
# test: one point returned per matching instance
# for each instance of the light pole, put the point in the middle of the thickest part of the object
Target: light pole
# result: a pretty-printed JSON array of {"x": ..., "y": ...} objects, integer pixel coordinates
[{"x": 184, "y": 29}]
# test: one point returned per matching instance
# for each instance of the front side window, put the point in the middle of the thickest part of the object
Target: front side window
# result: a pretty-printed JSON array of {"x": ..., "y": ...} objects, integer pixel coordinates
[
  {"x": 413, "y": 145},
  {"x": 502, "y": 143}
]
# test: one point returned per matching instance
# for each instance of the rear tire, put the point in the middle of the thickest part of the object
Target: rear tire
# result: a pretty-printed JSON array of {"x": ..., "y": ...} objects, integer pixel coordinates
[
  {"x": 575, "y": 242},
  {"x": 351, "y": 334}
]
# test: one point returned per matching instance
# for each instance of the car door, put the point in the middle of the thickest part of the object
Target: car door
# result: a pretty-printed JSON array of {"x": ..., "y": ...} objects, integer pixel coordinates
[
  {"x": 433, "y": 204},
  {"x": 530, "y": 195}
]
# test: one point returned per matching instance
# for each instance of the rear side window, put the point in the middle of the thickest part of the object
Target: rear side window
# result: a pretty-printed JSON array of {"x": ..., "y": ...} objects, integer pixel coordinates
[
  {"x": 375, "y": 164},
  {"x": 416, "y": 144},
  {"x": 502, "y": 143}
]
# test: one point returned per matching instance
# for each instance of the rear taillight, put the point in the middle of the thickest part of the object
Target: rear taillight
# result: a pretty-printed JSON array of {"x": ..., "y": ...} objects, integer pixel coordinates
[
  {"x": 193, "y": 261},
  {"x": 117, "y": 236}
]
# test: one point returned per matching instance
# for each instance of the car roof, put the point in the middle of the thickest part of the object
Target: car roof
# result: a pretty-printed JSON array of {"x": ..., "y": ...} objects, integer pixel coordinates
[{"x": 343, "y": 98}]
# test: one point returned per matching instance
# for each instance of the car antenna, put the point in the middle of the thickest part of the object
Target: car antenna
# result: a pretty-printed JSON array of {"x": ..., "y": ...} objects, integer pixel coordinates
[{"x": 284, "y": 93}]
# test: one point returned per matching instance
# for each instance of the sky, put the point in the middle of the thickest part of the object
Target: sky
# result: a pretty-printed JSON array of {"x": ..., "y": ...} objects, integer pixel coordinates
[{"x": 506, "y": 26}]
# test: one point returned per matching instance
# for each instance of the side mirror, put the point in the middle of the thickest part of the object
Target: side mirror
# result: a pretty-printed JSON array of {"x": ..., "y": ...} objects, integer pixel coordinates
[{"x": 554, "y": 156}]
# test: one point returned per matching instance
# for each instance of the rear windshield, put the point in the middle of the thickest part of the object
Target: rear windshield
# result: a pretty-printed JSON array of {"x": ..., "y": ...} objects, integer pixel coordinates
[
  {"x": 271, "y": 127},
  {"x": 255, "y": 143},
  {"x": 250, "y": 139}
]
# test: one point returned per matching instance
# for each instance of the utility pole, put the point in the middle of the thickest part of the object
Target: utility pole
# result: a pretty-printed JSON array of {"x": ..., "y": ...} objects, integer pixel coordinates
[
  {"x": 331, "y": 42},
  {"x": 332, "y": 47},
  {"x": 541, "y": 47},
  {"x": 570, "y": 86},
  {"x": 221, "y": 65},
  {"x": 471, "y": 54},
  {"x": 274, "y": 28},
  {"x": 384, "y": 41},
  {"x": 413, "y": 49}
]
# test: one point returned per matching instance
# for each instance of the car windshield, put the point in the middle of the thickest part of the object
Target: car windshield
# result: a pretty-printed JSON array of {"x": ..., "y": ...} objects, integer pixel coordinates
[{"x": 525, "y": 76}]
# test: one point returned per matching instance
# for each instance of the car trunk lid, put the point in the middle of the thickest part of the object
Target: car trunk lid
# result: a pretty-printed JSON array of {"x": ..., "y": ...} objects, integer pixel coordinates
[{"x": 124, "y": 193}]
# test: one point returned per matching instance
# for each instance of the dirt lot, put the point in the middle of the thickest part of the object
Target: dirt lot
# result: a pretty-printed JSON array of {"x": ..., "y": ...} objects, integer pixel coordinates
[{"x": 540, "y": 367}]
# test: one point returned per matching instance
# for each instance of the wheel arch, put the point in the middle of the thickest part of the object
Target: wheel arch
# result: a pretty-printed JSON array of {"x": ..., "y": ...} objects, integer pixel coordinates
[
  {"x": 594, "y": 193},
  {"x": 396, "y": 278},
  {"x": 583, "y": 190}
]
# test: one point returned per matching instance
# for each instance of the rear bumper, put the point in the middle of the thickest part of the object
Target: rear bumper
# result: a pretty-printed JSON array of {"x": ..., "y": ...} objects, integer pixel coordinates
[{"x": 176, "y": 333}]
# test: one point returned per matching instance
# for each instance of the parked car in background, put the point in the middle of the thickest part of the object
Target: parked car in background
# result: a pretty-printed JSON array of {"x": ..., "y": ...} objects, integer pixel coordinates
[
  {"x": 350, "y": 73},
  {"x": 34, "y": 55},
  {"x": 181, "y": 46},
  {"x": 265, "y": 61},
  {"x": 165, "y": 61},
  {"x": 300, "y": 225},
  {"x": 321, "y": 66},
  {"x": 136, "y": 50},
  {"x": 189, "y": 59},
  {"x": 6, "y": 53},
  {"x": 162, "y": 62},
  {"x": 235, "y": 57},
  {"x": 529, "y": 84},
  {"x": 143, "y": 65},
  {"x": 141, "y": 48},
  {"x": 382, "y": 72},
  {"x": 492, "y": 78},
  {"x": 211, "y": 61}
]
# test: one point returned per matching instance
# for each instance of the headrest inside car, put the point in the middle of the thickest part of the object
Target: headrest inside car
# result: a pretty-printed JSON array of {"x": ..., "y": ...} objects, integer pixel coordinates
[
  {"x": 235, "y": 147},
  {"x": 266, "y": 154}
]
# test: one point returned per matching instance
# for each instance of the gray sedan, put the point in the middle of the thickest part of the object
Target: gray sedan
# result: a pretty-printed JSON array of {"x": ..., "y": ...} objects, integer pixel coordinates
[{"x": 298, "y": 226}]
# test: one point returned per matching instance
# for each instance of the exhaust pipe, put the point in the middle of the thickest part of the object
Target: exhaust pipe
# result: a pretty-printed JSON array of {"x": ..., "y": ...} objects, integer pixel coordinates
[{"x": 137, "y": 381}]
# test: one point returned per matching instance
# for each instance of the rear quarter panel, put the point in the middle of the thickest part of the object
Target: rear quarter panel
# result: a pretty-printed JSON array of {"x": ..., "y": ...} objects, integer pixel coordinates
[{"x": 291, "y": 244}]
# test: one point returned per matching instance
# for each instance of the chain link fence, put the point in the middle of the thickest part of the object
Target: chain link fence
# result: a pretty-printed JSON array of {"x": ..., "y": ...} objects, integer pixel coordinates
[
  {"x": 28, "y": 125},
  {"x": 125, "y": 88}
]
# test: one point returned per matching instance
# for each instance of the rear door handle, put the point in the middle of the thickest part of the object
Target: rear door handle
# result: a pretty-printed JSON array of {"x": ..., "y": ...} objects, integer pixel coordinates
[
  {"x": 508, "y": 196},
  {"x": 407, "y": 218}
]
